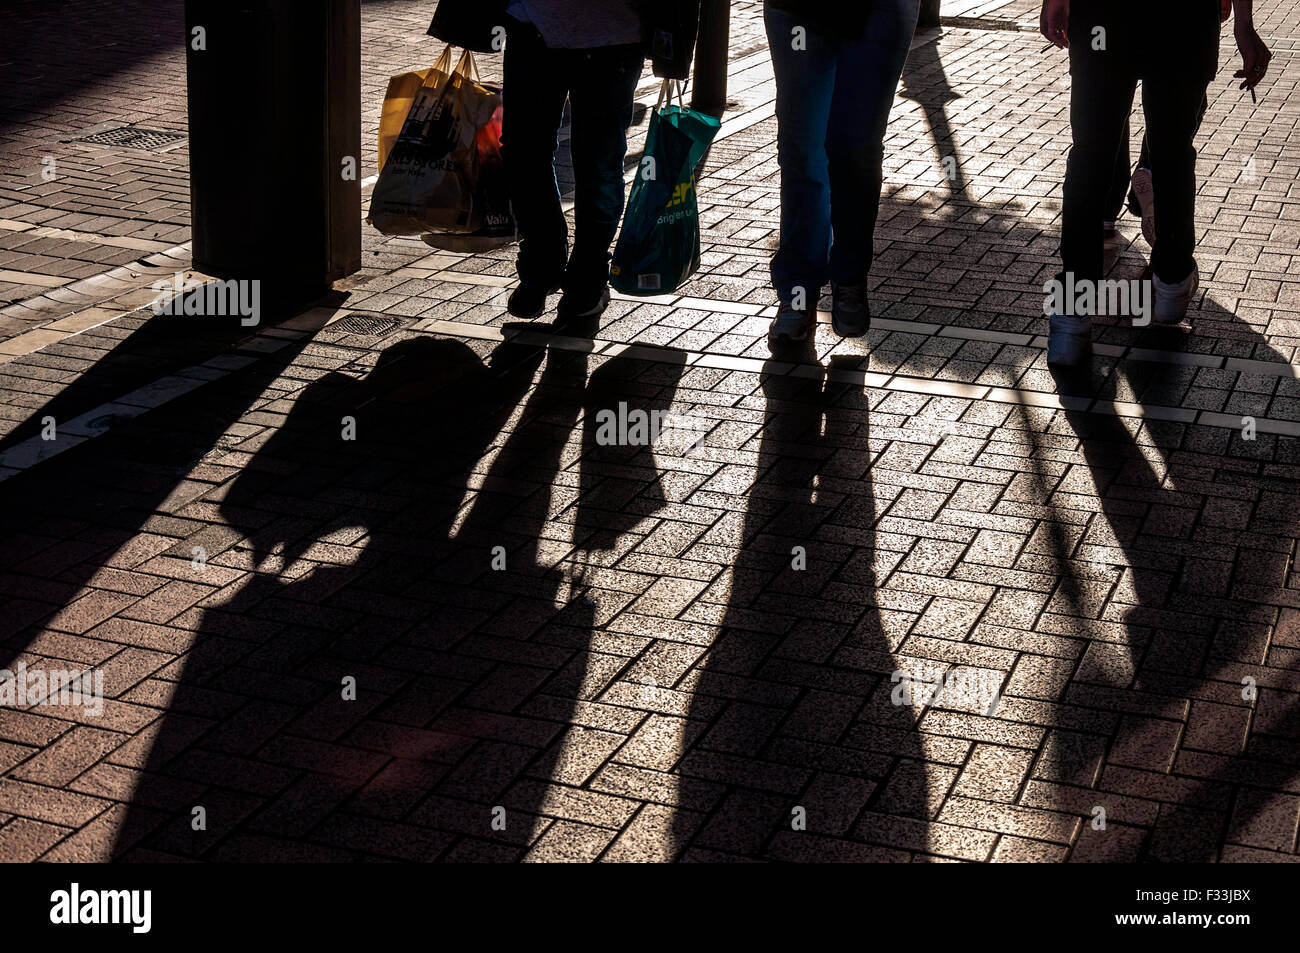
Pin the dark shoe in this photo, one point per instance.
(1069, 341)
(791, 324)
(850, 310)
(583, 304)
(528, 301)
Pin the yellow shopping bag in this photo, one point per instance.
(402, 90)
(442, 175)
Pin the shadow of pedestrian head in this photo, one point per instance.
(351, 432)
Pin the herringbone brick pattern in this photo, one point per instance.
(396, 595)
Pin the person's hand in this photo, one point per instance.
(1054, 22)
(1255, 55)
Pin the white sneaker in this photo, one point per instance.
(1172, 301)
(1069, 342)
(1146, 197)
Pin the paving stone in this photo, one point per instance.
(652, 678)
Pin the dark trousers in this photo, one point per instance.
(1121, 184)
(1175, 72)
(599, 85)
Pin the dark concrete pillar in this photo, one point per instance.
(711, 49)
(275, 142)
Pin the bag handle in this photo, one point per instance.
(467, 67)
(442, 74)
(666, 94)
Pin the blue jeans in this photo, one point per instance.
(832, 109)
(599, 85)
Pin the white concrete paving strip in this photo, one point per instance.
(97, 289)
(897, 382)
(160, 392)
(92, 238)
(101, 419)
(32, 278)
(1039, 342)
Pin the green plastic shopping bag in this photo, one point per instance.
(659, 246)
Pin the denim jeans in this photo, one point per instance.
(599, 85)
(832, 108)
(1102, 86)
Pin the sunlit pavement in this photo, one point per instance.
(373, 582)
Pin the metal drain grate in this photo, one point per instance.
(134, 137)
(356, 324)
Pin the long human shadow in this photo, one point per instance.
(792, 743)
(789, 695)
(1177, 627)
(379, 466)
(609, 492)
(484, 575)
(925, 82)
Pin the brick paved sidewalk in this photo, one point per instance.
(370, 584)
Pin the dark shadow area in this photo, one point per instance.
(267, 668)
(429, 575)
(162, 345)
(66, 519)
(799, 673)
(1175, 616)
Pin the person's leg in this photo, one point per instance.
(866, 78)
(804, 63)
(1102, 85)
(534, 93)
(1144, 159)
(1173, 92)
(1120, 178)
(1193, 30)
(1171, 105)
(602, 85)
